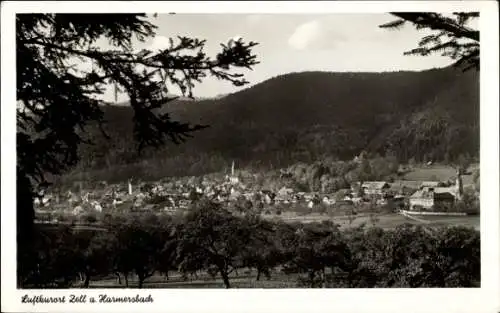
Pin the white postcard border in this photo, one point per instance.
(484, 299)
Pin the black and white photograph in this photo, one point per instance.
(177, 150)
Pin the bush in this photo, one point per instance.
(89, 218)
(157, 199)
(61, 217)
(320, 208)
(418, 208)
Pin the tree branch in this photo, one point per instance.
(431, 21)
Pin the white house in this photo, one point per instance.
(97, 206)
(285, 192)
(328, 201)
(375, 187)
(78, 210)
(431, 184)
(429, 197)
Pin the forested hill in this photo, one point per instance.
(428, 115)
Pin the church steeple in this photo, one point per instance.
(459, 185)
(233, 179)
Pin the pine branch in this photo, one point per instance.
(436, 22)
(397, 24)
(452, 28)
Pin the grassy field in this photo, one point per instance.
(468, 221)
(278, 280)
(382, 220)
(438, 173)
(386, 220)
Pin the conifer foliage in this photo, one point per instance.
(452, 37)
(56, 100)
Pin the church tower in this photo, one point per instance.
(233, 179)
(129, 186)
(459, 186)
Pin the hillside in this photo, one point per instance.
(428, 115)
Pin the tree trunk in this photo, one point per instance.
(126, 279)
(311, 278)
(25, 211)
(141, 281)
(258, 274)
(225, 278)
(323, 272)
(267, 272)
(350, 278)
(87, 281)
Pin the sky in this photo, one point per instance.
(297, 42)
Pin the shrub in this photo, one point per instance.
(89, 218)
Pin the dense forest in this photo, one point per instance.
(303, 117)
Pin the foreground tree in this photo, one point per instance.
(318, 248)
(213, 238)
(53, 123)
(415, 257)
(457, 261)
(54, 261)
(452, 37)
(137, 253)
(262, 252)
(95, 255)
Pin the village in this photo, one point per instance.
(175, 196)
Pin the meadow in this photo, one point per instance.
(439, 172)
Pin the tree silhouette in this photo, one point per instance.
(213, 238)
(56, 100)
(453, 37)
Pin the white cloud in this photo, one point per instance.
(158, 43)
(304, 35)
(254, 19)
(315, 35)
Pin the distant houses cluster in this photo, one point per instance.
(175, 196)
